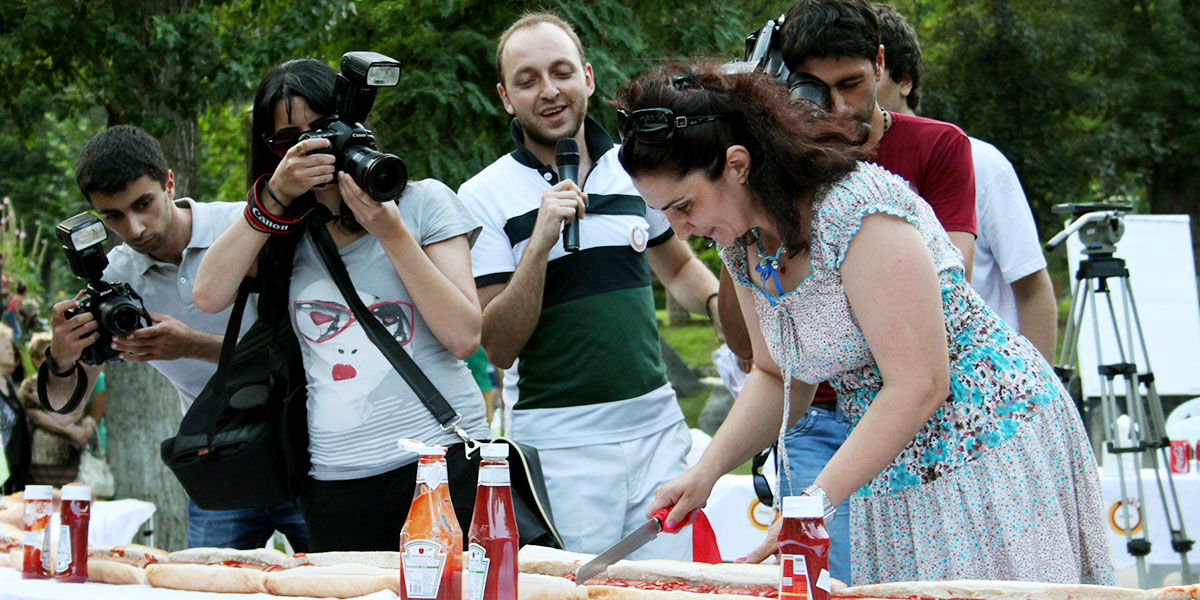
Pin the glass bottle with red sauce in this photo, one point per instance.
(492, 562)
(70, 563)
(39, 504)
(431, 540)
(804, 550)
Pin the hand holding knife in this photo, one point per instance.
(640, 537)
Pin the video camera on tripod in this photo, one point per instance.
(1100, 226)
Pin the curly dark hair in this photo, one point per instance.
(793, 149)
(829, 29)
(901, 51)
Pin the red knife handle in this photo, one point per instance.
(661, 516)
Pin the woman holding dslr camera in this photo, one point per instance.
(966, 458)
(410, 263)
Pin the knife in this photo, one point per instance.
(640, 537)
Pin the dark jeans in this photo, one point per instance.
(368, 513)
(245, 528)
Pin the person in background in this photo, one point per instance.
(12, 311)
(124, 177)
(1010, 269)
(409, 261)
(54, 447)
(576, 331)
(14, 431)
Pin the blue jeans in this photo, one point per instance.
(245, 528)
(810, 444)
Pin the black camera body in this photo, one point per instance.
(763, 52)
(112, 304)
(383, 176)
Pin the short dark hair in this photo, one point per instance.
(901, 51)
(829, 29)
(116, 156)
(530, 19)
(793, 149)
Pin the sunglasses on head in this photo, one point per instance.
(281, 141)
(762, 488)
(656, 125)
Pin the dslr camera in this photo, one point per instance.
(112, 304)
(763, 53)
(382, 176)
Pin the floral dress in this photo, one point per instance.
(1001, 482)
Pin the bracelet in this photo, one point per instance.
(707, 303)
(52, 366)
(262, 219)
(816, 491)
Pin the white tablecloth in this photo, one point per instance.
(12, 587)
(1187, 488)
(112, 523)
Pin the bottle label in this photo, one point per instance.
(491, 476)
(794, 584)
(477, 571)
(62, 562)
(47, 557)
(422, 561)
(432, 475)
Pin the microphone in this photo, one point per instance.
(566, 159)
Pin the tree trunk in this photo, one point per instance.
(1173, 191)
(179, 148)
(142, 411)
(676, 313)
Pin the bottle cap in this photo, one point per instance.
(39, 492)
(494, 450)
(802, 507)
(432, 450)
(77, 492)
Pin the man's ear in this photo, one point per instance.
(879, 65)
(169, 186)
(737, 162)
(508, 107)
(589, 79)
(905, 85)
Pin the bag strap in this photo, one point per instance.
(416, 379)
(219, 401)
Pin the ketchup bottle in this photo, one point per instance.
(38, 506)
(70, 564)
(492, 566)
(804, 550)
(431, 540)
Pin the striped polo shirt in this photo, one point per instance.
(592, 372)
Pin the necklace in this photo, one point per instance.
(769, 267)
(887, 119)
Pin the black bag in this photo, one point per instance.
(244, 441)
(535, 523)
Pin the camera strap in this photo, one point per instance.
(81, 385)
(264, 220)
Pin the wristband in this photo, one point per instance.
(815, 491)
(707, 303)
(264, 220)
(52, 366)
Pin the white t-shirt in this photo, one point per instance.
(358, 405)
(166, 288)
(1007, 248)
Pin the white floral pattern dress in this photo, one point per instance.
(1001, 482)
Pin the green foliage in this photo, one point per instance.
(23, 246)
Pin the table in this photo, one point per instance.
(1187, 488)
(12, 587)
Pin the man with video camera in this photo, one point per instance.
(125, 178)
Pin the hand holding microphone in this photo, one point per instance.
(566, 159)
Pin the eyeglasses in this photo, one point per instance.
(762, 488)
(322, 321)
(656, 125)
(281, 141)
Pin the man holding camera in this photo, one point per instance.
(587, 382)
(124, 176)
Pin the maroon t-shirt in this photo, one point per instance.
(935, 158)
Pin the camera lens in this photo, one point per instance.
(119, 316)
(382, 176)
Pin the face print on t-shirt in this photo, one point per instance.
(344, 366)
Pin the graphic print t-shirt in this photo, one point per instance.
(358, 406)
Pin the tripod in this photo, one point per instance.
(1100, 227)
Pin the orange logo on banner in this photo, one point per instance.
(1117, 519)
(760, 515)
